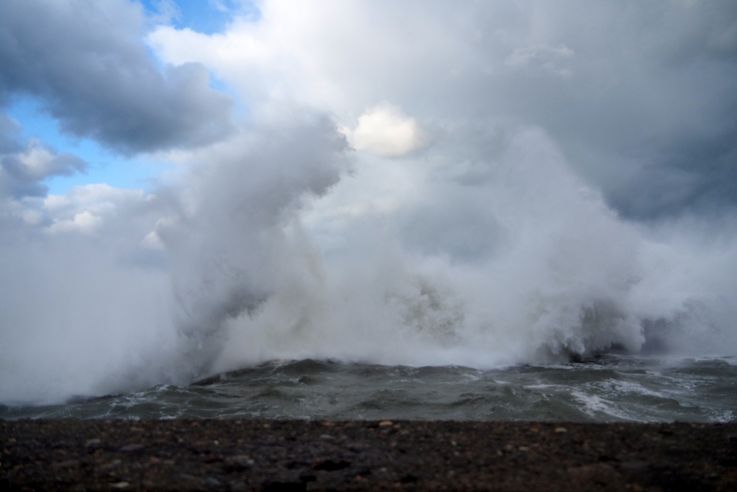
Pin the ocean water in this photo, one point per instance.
(607, 388)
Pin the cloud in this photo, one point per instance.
(25, 166)
(553, 59)
(9, 134)
(166, 11)
(81, 222)
(87, 208)
(386, 131)
(623, 90)
(87, 63)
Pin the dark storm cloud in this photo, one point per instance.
(18, 180)
(87, 62)
(24, 166)
(697, 174)
(9, 133)
(649, 112)
(641, 96)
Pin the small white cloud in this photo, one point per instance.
(386, 131)
(152, 241)
(89, 207)
(84, 222)
(167, 11)
(97, 197)
(39, 162)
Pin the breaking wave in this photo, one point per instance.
(505, 257)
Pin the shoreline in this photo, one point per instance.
(365, 455)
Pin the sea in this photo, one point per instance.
(607, 388)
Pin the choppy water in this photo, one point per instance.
(610, 388)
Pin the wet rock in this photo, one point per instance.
(307, 477)
(212, 482)
(238, 463)
(132, 448)
(408, 478)
(330, 465)
(277, 486)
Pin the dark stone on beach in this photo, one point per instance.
(294, 455)
(132, 448)
(331, 465)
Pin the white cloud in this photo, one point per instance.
(84, 222)
(24, 169)
(100, 198)
(38, 161)
(385, 131)
(88, 208)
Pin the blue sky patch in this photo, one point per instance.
(205, 16)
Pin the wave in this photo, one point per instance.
(269, 253)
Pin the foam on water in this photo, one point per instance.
(331, 390)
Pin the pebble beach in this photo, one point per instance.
(365, 455)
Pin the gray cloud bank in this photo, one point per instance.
(87, 63)
(640, 96)
(24, 167)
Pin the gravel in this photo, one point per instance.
(366, 455)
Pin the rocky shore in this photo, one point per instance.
(301, 455)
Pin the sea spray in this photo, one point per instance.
(562, 276)
(515, 261)
(227, 245)
(142, 299)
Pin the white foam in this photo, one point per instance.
(595, 406)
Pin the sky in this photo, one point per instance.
(227, 174)
(643, 113)
(104, 164)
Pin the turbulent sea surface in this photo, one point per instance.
(610, 388)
